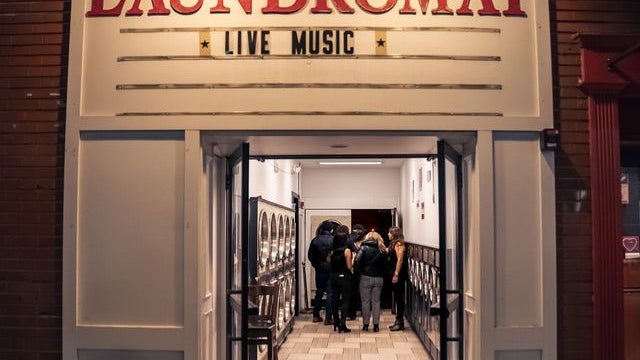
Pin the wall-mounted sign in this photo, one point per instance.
(631, 244)
(624, 187)
(205, 59)
(99, 8)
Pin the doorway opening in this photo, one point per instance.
(414, 177)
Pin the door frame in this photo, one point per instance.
(239, 156)
(447, 152)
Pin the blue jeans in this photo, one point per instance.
(323, 284)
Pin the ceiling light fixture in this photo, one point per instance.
(350, 162)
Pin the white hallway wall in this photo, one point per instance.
(350, 188)
(274, 180)
(420, 197)
(380, 188)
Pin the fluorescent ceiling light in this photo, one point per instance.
(350, 162)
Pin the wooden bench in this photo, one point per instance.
(262, 327)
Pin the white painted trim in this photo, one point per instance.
(309, 122)
(545, 85)
(471, 258)
(70, 203)
(129, 339)
(486, 223)
(220, 257)
(548, 231)
(192, 197)
(69, 247)
(523, 338)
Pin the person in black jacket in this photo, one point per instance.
(318, 255)
(355, 241)
(371, 261)
(341, 264)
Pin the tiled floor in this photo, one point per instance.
(316, 341)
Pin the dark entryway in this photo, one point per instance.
(630, 179)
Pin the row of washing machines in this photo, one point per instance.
(423, 292)
(276, 237)
(275, 246)
(424, 272)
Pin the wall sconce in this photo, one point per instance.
(549, 139)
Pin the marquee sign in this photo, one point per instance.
(159, 7)
(465, 59)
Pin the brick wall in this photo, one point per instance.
(33, 61)
(575, 309)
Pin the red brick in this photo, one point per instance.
(36, 6)
(31, 149)
(32, 60)
(600, 6)
(32, 18)
(31, 50)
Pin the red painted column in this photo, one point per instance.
(606, 227)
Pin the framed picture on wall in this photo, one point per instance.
(420, 179)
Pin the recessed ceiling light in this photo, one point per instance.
(350, 162)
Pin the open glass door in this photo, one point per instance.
(237, 252)
(450, 225)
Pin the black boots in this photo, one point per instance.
(397, 326)
(341, 326)
(316, 317)
(376, 327)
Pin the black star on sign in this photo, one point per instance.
(380, 42)
(205, 44)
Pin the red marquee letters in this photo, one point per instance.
(158, 7)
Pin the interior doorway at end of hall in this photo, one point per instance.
(378, 220)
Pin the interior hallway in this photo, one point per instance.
(316, 341)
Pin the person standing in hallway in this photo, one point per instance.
(355, 241)
(397, 274)
(341, 265)
(318, 255)
(371, 261)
